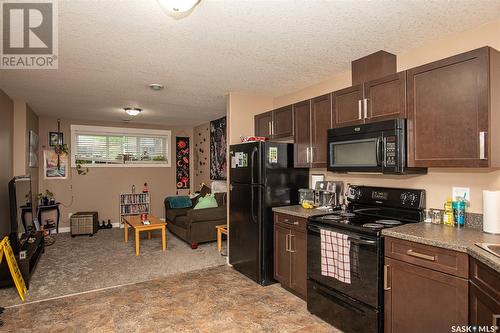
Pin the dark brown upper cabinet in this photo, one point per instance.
(275, 124)
(302, 142)
(321, 121)
(454, 111)
(312, 120)
(263, 123)
(282, 125)
(376, 100)
(385, 98)
(347, 106)
(373, 66)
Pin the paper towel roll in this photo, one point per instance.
(491, 212)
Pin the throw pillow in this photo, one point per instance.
(179, 202)
(207, 201)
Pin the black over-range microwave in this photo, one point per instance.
(379, 147)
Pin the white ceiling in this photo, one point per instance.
(110, 50)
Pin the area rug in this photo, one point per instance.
(80, 264)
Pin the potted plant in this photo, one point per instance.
(50, 197)
(80, 169)
(61, 149)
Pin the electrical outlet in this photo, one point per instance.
(69, 215)
(461, 192)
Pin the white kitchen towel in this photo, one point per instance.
(335, 260)
(491, 212)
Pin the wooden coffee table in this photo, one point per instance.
(135, 222)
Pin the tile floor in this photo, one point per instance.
(217, 299)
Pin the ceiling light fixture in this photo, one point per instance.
(132, 111)
(156, 86)
(178, 6)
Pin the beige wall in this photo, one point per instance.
(25, 120)
(201, 155)
(241, 109)
(31, 125)
(20, 143)
(438, 182)
(6, 162)
(99, 190)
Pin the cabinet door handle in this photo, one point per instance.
(312, 155)
(386, 272)
(360, 116)
(307, 155)
(286, 243)
(365, 107)
(272, 127)
(290, 243)
(482, 145)
(269, 128)
(420, 255)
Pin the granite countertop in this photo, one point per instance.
(297, 210)
(462, 240)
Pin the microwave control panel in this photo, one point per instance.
(391, 151)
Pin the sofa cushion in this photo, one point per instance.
(207, 201)
(173, 214)
(221, 199)
(209, 214)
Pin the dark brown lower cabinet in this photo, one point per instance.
(418, 299)
(290, 253)
(484, 295)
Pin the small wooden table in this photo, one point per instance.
(135, 222)
(221, 229)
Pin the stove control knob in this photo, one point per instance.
(412, 197)
(404, 198)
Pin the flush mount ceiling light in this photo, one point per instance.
(132, 111)
(156, 86)
(178, 6)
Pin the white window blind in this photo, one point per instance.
(101, 146)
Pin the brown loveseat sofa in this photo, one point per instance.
(196, 225)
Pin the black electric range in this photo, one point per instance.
(357, 305)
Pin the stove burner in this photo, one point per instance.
(373, 225)
(388, 222)
(346, 214)
(332, 217)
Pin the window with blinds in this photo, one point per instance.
(95, 146)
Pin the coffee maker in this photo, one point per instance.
(327, 194)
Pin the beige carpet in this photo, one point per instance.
(217, 299)
(74, 265)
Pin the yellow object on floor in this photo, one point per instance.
(221, 229)
(14, 269)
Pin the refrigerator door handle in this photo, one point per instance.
(252, 164)
(255, 217)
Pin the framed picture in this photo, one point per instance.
(55, 138)
(54, 166)
(33, 151)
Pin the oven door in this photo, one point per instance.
(365, 261)
(363, 153)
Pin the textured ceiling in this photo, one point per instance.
(110, 50)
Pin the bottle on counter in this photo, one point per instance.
(459, 212)
(448, 213)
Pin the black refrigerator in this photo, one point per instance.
(262, 176)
